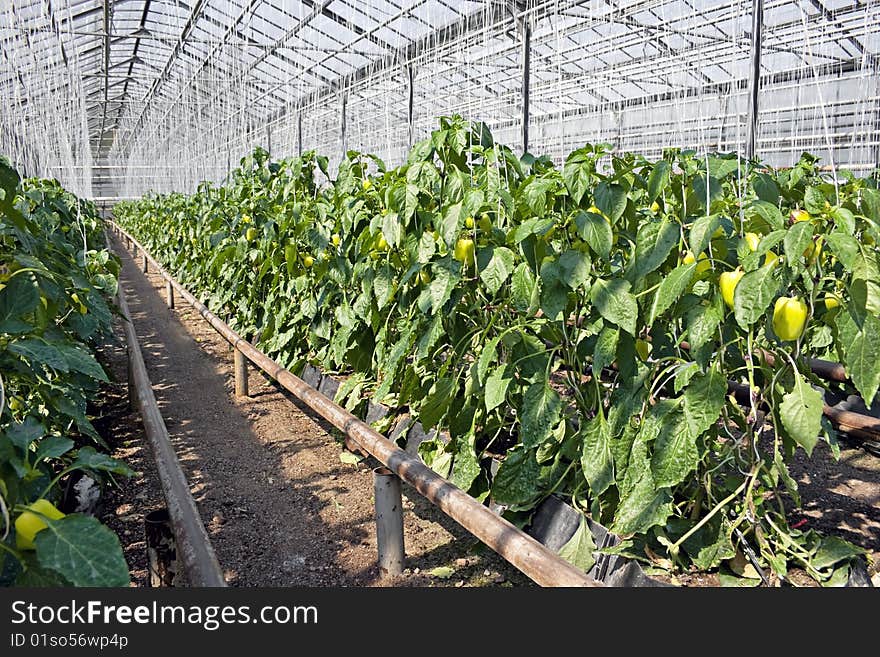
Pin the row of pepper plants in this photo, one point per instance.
(578, 324)
(56, 282)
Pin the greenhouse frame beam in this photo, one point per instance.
(830, 17)
(469, 23)
(268, 51)
(134, 51)
(106, 19)
(195, 12)
(754, 77)
(850, 66)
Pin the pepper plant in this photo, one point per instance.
(585, 328)
(56, 279)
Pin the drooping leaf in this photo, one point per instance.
(580, 548)
(753, 295)
(516, 484)
(83, 550)
(596, 459)
(499, 267)
(540, 412)
(801, 413)
(595, 231)
(671, 288)
(616, 303)
(497, 385)
(654, 241)
(862, 359)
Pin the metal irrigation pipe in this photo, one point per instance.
(535, 560)
(192, 542)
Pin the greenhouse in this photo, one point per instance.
(591, 284)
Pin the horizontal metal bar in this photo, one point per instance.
(535, 560)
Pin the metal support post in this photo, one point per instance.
(754, 76)
(526, 55)
(389, 521)
(241, 374)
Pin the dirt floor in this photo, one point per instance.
(282, 509)
(280, 506)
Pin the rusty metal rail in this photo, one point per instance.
(193, 546)
(533, 559)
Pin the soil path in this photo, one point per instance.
(279, 505)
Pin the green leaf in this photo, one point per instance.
(427, 247)
(488, 355)
(87, 458)
(645, 506)
(770, 214)
(441, 287)
(797, 239)
(392, 230)
(846, 248)
(36, 351)
(675, 451)
(615, 303)
(429, 338)
(671, 288)
(801, 414)
(522, 287)
(466, 466)
(654, 241)
(554, 293)
(410, 202)
(596, 459)
(540, 412)
(516, 482)
(9, 180)
(658, 180)
(383, 287)
(721, 167)
(79, 360)
(496, 272)
(19, 298)
(702, 321)
(701, 232)
(574, 268)
(766, 189)
(703, 400)
(22, 434)
(754, 294)
(595, 231)
(83, 550)
(606, 349)
(705, 189)
(611, 200)
(862, 359)
(832, 550)
(535, 196)
(576, 175)
(52, 447)
(497, 385)
(814, 200)
(437, 402)
(579, 549)
(449, 225)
